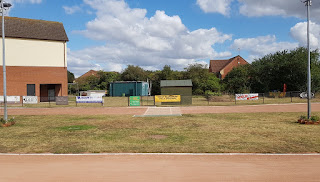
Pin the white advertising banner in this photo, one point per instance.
(30, 99)
(11, 99)
(89, 99)
(247, 96)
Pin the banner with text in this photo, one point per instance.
(30, 99)
(247, 96)
(11, 99)
(167, 98)
(134, 100)
(88, 99)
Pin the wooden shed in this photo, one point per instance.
(178, 87)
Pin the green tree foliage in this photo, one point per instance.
(70, 77)
(105, 78)
(202, 80)
(101, 81)
(286, 67)
(237, 80)
(134, 73)
(272, 71)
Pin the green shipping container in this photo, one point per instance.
(129, 88)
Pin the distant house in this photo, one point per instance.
(222, 67)
(86, 75)
(36, 58)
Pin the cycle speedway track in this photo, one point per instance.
(165, 111)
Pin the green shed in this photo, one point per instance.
(129, 88)
(178, 87)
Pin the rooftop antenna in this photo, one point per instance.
(239, 51)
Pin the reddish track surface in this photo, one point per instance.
(173, 168)
(159, 168)
(142, 110)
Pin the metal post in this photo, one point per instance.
(5, 115)
(308, 4)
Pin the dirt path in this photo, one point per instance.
(160, 168)
(142, 110)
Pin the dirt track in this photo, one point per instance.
(142, 110)
(156, 168)
(173, 168)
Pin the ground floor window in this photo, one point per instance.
(31, 90)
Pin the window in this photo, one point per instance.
(31, 90)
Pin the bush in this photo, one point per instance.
(314, 118)
(209, 93)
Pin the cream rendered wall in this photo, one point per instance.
(29, 52)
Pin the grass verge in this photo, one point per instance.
(205, 133)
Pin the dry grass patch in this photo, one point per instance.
(205, 133)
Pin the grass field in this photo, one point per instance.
(205, 133)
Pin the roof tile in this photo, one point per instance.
(34, 29)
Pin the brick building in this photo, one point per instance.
(36, 63)
(222, 67)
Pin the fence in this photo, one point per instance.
(200, 100)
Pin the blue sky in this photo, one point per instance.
(110, 34)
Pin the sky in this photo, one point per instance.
(111, 34)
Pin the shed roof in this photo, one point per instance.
(176, 83)
(34, 29)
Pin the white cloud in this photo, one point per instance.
(299, 32)
(215, 6)
(72, 9)
(275, 7)
(132, 38)
(25, 1)
(261, 46)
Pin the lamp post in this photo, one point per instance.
(5, 114)
(308, 4)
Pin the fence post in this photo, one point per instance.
(154, 100)
(263, 97)
(235, 99)
(291, 96)
(128, 100)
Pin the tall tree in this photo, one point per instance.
(202, 80)
(237, 80)
(70, 77)
(134, 73)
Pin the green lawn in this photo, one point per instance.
(205, 133)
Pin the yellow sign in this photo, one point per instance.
(168, 98)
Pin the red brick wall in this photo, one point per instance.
(18, 77)
(236, 62)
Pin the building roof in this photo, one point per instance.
(34, 29)
(218, 65)
(175, 83)
(86, 75)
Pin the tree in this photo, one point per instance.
(134, 73)
(237, 80)
(70, 77)
(202, 80)
(286, 67)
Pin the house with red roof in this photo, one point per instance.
(222, 67)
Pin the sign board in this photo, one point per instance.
(134, 101)
(88, 99)
(62, 100)
(304, 95)
(11, 99)
(30, 99)
(167, 98)
(247, 96)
